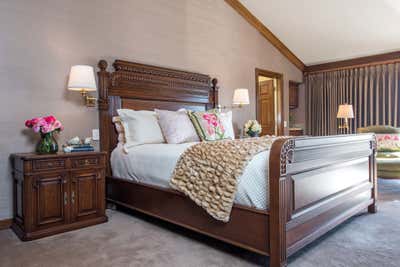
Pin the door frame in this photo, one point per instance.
(279, 120)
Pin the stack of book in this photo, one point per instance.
(82, 148)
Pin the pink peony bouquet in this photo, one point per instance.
(44, 125)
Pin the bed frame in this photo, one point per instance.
(316, 183)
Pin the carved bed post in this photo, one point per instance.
(103, 105)
(280, 211)
(214, 93)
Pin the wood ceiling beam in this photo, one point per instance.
(246, 14)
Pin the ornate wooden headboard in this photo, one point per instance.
(144, 87)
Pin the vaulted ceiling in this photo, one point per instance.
(319, 31)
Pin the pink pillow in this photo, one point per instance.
(176, 126)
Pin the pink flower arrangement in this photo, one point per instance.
(44, 125)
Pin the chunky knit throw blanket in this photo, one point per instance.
(208, 172)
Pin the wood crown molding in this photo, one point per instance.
(246, 14)
(354, 63)
(5, 224)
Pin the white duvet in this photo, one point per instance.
(154, 164)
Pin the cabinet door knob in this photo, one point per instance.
(73, 197)
(65, 198)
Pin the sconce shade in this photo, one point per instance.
(345, 111)
(81, 78)
(241, 97)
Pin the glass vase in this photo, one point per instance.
(47, 144)
(252, 134)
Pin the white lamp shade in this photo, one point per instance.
(345, 111)
(241, 97)
(81, 77)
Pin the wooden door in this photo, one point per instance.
(87, 194)
(50, 200)
(266, 106)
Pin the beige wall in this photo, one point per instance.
(40, 40)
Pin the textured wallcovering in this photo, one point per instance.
(40, 40)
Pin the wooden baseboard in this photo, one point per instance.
(5, 224)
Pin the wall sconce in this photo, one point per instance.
(240, 98)
(81, 78)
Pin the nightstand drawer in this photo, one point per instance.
(48, 164)
(85, 162)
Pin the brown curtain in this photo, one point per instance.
(373, 91)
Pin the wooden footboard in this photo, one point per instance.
(320, 182)
(315, 184)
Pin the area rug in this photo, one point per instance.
(137, 240)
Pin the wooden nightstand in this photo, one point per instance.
(57, 193)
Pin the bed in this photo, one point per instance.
(144, 166)
(315, 183)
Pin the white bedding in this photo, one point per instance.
(154, 163)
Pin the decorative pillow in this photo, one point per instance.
(140, 127)
(208, 125)
(176, 126)
(226, 119)
(388, 142)
(120, 129)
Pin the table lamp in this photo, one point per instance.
(345, 112)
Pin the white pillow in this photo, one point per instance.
(176, 126)
(140, 127)
(226, 120)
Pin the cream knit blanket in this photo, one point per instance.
(208, 172)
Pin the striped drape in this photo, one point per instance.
(373, 91)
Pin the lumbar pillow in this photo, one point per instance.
(208, 125)
(140, 127)
(226, 119)
(388, 142)
(176, 126)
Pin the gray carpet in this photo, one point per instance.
(126, 240)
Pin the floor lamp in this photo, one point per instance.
(345, 112)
